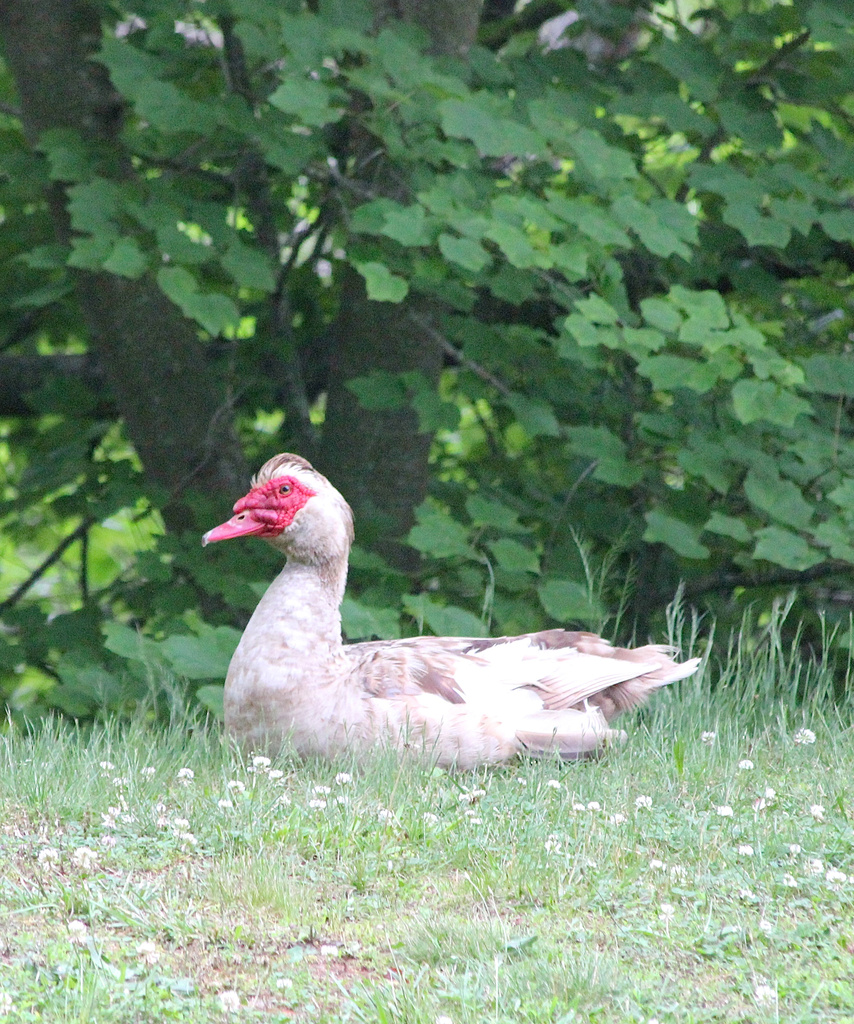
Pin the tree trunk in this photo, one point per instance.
(175, 415)
(380, 459)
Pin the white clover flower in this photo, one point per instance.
(618, 819)
(745, 850)
(522, 782)
(746, 894)
(790, 881)
(473, 819)
(746, 765)
(764, 994)
(817, 811)
(261, 763)
(284, 983)
(343, 778)
(657, 865)
(553, 784)
(148, 953)
(187, 837)
(275, 774)
(834, 875)
(317, 805)
(107, 766)
(321, 790)
(284, 800)
(224, 805)
(643, 801)
(770, 794)
(553, 844)
(85, 858)
(594, 805)
(724, 811)
(78, 932)
(147, 770)
(186, 775)
(229, 1001)
(430, 819)
(472, 797)
(708, 738)
(108, 842)
(804, 737)
(578, 807)
(236, 786)
(667, 912)
(181, 823)
(765, 926)
(129, 819)
(677, 871)
(384, 814)
(814, 866)
(443, 1018)
(794, 849)
(7, 1004)
(48, 857)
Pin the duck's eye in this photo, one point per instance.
(285, 489)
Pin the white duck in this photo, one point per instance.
(462, 701)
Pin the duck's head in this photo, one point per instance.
(293, 507)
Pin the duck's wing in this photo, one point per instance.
(550, 671)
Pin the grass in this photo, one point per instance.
(610, 891)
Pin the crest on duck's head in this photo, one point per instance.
(282, 465)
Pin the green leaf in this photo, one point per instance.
(568, 601)
(780, 498)
(249, 267)
(675, 533)
(485, 512)
(309, 101)
(602, 161)
(612, 466)
(487, 121)
(652, 231)
(782, 547)
(467, 253)
(130, 644)
(535, 416)
(381, 284)
(763, 400)
(667, 373)
(830, 375)
(214, 312)
(438, 535)
(211, 697)
(379, 390)
(205, 656)
(661, 313)
(443, 620)
(126, 259)
(728, 526)
(361, 621)
(513, 556)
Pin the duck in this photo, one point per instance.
(294, 684)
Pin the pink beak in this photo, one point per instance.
(241, 525)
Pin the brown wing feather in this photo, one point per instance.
(425, 664)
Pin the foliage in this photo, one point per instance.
(166, 870)
(636, 256)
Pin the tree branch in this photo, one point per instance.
(726, 580)
(55, 555)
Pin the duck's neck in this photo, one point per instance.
(300, 613)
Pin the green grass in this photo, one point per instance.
(538, 892)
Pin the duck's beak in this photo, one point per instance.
(241, 525)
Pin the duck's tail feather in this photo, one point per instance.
(570, 733)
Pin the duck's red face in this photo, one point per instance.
(265, 511)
